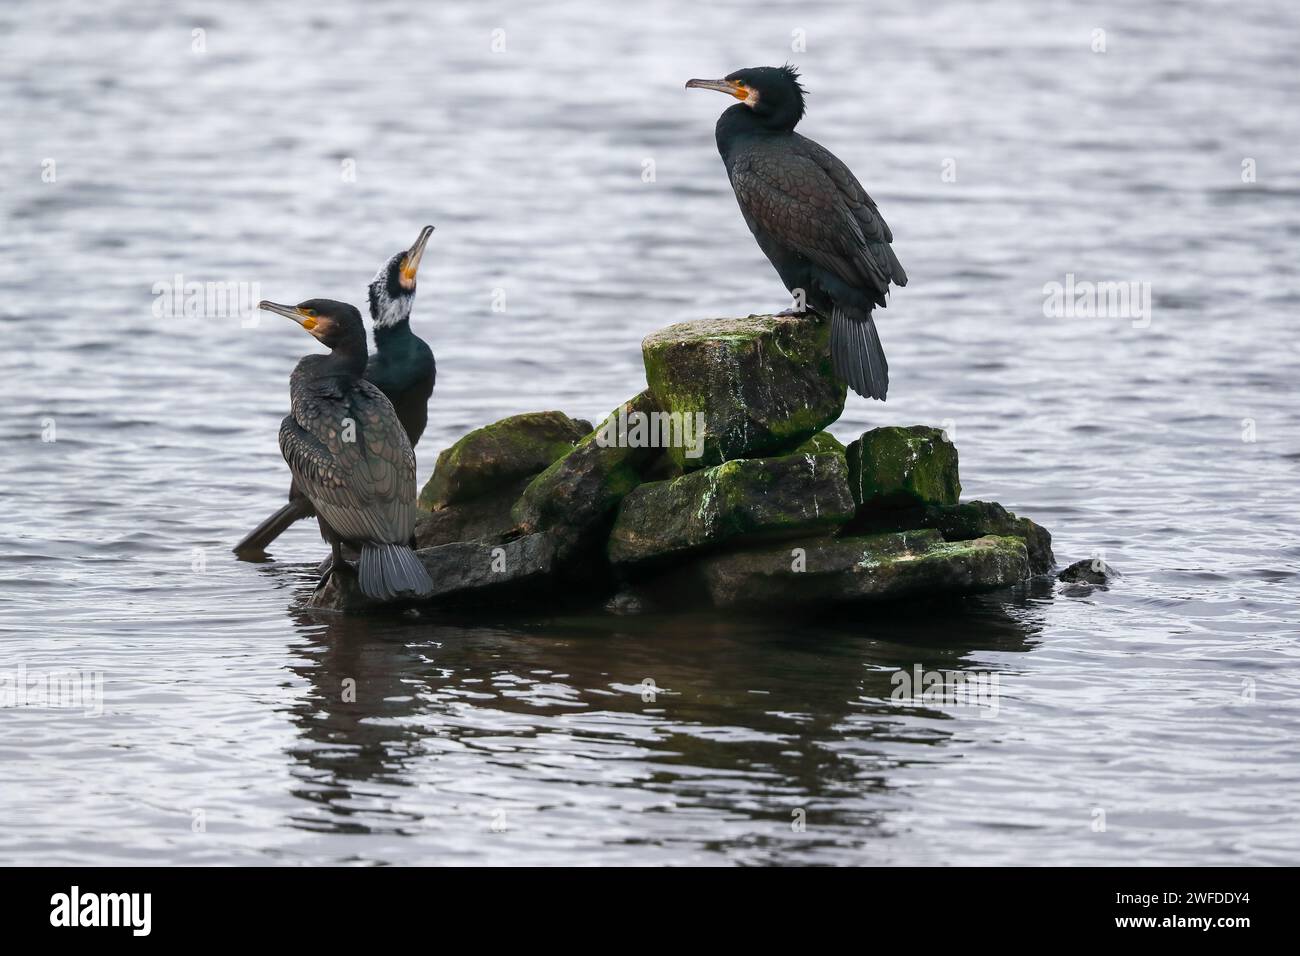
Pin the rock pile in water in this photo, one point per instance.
(718, 485)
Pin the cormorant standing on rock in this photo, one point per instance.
(811, 217)
(402, 366)
(350, 456)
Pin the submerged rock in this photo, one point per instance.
(577, 495)
(1092, 571)
(500, 454)
(870, 568)
(745, 499)
(763, 385)
(464, 573)
(897, 467)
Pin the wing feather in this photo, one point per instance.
(363, 488)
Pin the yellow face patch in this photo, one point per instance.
(740, 91)
(308, 323)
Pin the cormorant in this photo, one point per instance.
(811, 217)
(402, 366)
(349, 454)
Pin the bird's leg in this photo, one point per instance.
(331, 564)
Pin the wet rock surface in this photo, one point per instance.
(499, 454)
(735, 501)
(1093, 571)
(900, 467)
(870, 568)
(764, 384)
(464, 574)
(576, 497)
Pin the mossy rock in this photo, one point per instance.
(907, 564)
(764, 384)
(896, 467)
(974, 519)
(821, 443)
(748, 499)
(578, 494)
(485, 518)
(499, 454)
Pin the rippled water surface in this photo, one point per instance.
(1164, 707)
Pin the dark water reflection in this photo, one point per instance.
(749, 723)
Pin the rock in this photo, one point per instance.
(897, 467)
(464, 573)
(821, 443)
(485, 518)
(974, 519)
(744, 499)
(763, 384)
(627, 602)
(870, 568)
(1093, 571)
(500, 454)
(576, 497)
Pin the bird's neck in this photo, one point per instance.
(740, 122)
(348, 358)
(394, 336)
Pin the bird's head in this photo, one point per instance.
(392, 291)
(332, 323)
(772, 92)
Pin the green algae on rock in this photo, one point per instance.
(499, 454)
(895, 467)
(577, 494)
(821, 443)
(870, 568)
(737, 500)
(974, 519)
(764, 383)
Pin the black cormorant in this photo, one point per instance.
(349, 454)
(402, 366)
(811, 217)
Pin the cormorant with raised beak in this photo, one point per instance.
(811, 217)
(402, 366)
(350, 456)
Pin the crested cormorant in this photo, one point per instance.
(402, 366)
(811, 217)
(349, 454)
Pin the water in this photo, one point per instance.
(1166, 703)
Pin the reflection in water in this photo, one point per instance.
(749, 721)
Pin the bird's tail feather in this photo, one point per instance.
(857, 354)
(256, 541)
(389, 571)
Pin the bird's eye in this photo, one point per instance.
(310, 313)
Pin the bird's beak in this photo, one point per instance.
(730, 87)
(412, 264)
(289, 311)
